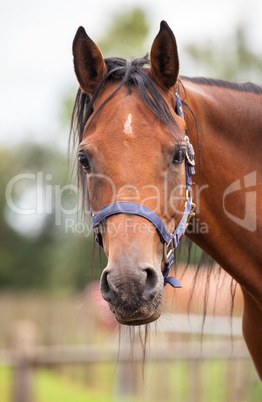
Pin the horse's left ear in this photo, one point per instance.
(89, 64)
(164, 58)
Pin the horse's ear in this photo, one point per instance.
(164, 57)
(89, 64)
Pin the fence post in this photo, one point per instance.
(23, 338)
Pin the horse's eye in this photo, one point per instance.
(84, 162)
(179, 156)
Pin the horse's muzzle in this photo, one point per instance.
(134, 295)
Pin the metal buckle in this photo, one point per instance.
(192, 209)
(189, 151)
(167, 253)
(190, 215)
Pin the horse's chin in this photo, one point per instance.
(138, 321)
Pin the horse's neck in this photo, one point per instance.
(228, 147)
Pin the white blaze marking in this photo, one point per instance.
(127, 126)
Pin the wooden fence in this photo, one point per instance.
(25, 356)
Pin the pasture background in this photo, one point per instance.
(45, 256)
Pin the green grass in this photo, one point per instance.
(5, 384)
(51, 387)
(205, 381)
(212, 381)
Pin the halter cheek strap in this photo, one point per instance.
(169, 240)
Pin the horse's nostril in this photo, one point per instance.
(104, 287)
(152, 283)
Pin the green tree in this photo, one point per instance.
(126, 36)
(231, 59)
(44, 255)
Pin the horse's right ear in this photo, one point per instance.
(89, 64)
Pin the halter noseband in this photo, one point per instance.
(169, 240)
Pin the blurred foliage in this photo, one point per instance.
(41, 255)
(231, 59)
(126, 35)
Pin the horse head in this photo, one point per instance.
(132, 149)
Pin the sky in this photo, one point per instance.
(36, 68)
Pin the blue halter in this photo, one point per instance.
(170, 240)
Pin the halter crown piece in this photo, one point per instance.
(169, 240)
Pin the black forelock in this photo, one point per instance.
(129, 73)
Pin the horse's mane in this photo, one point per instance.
(132, 73)
(248, 87)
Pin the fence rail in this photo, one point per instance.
(193, 324)
(26, 356)
(71, 354)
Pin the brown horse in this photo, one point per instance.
(132, 149)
